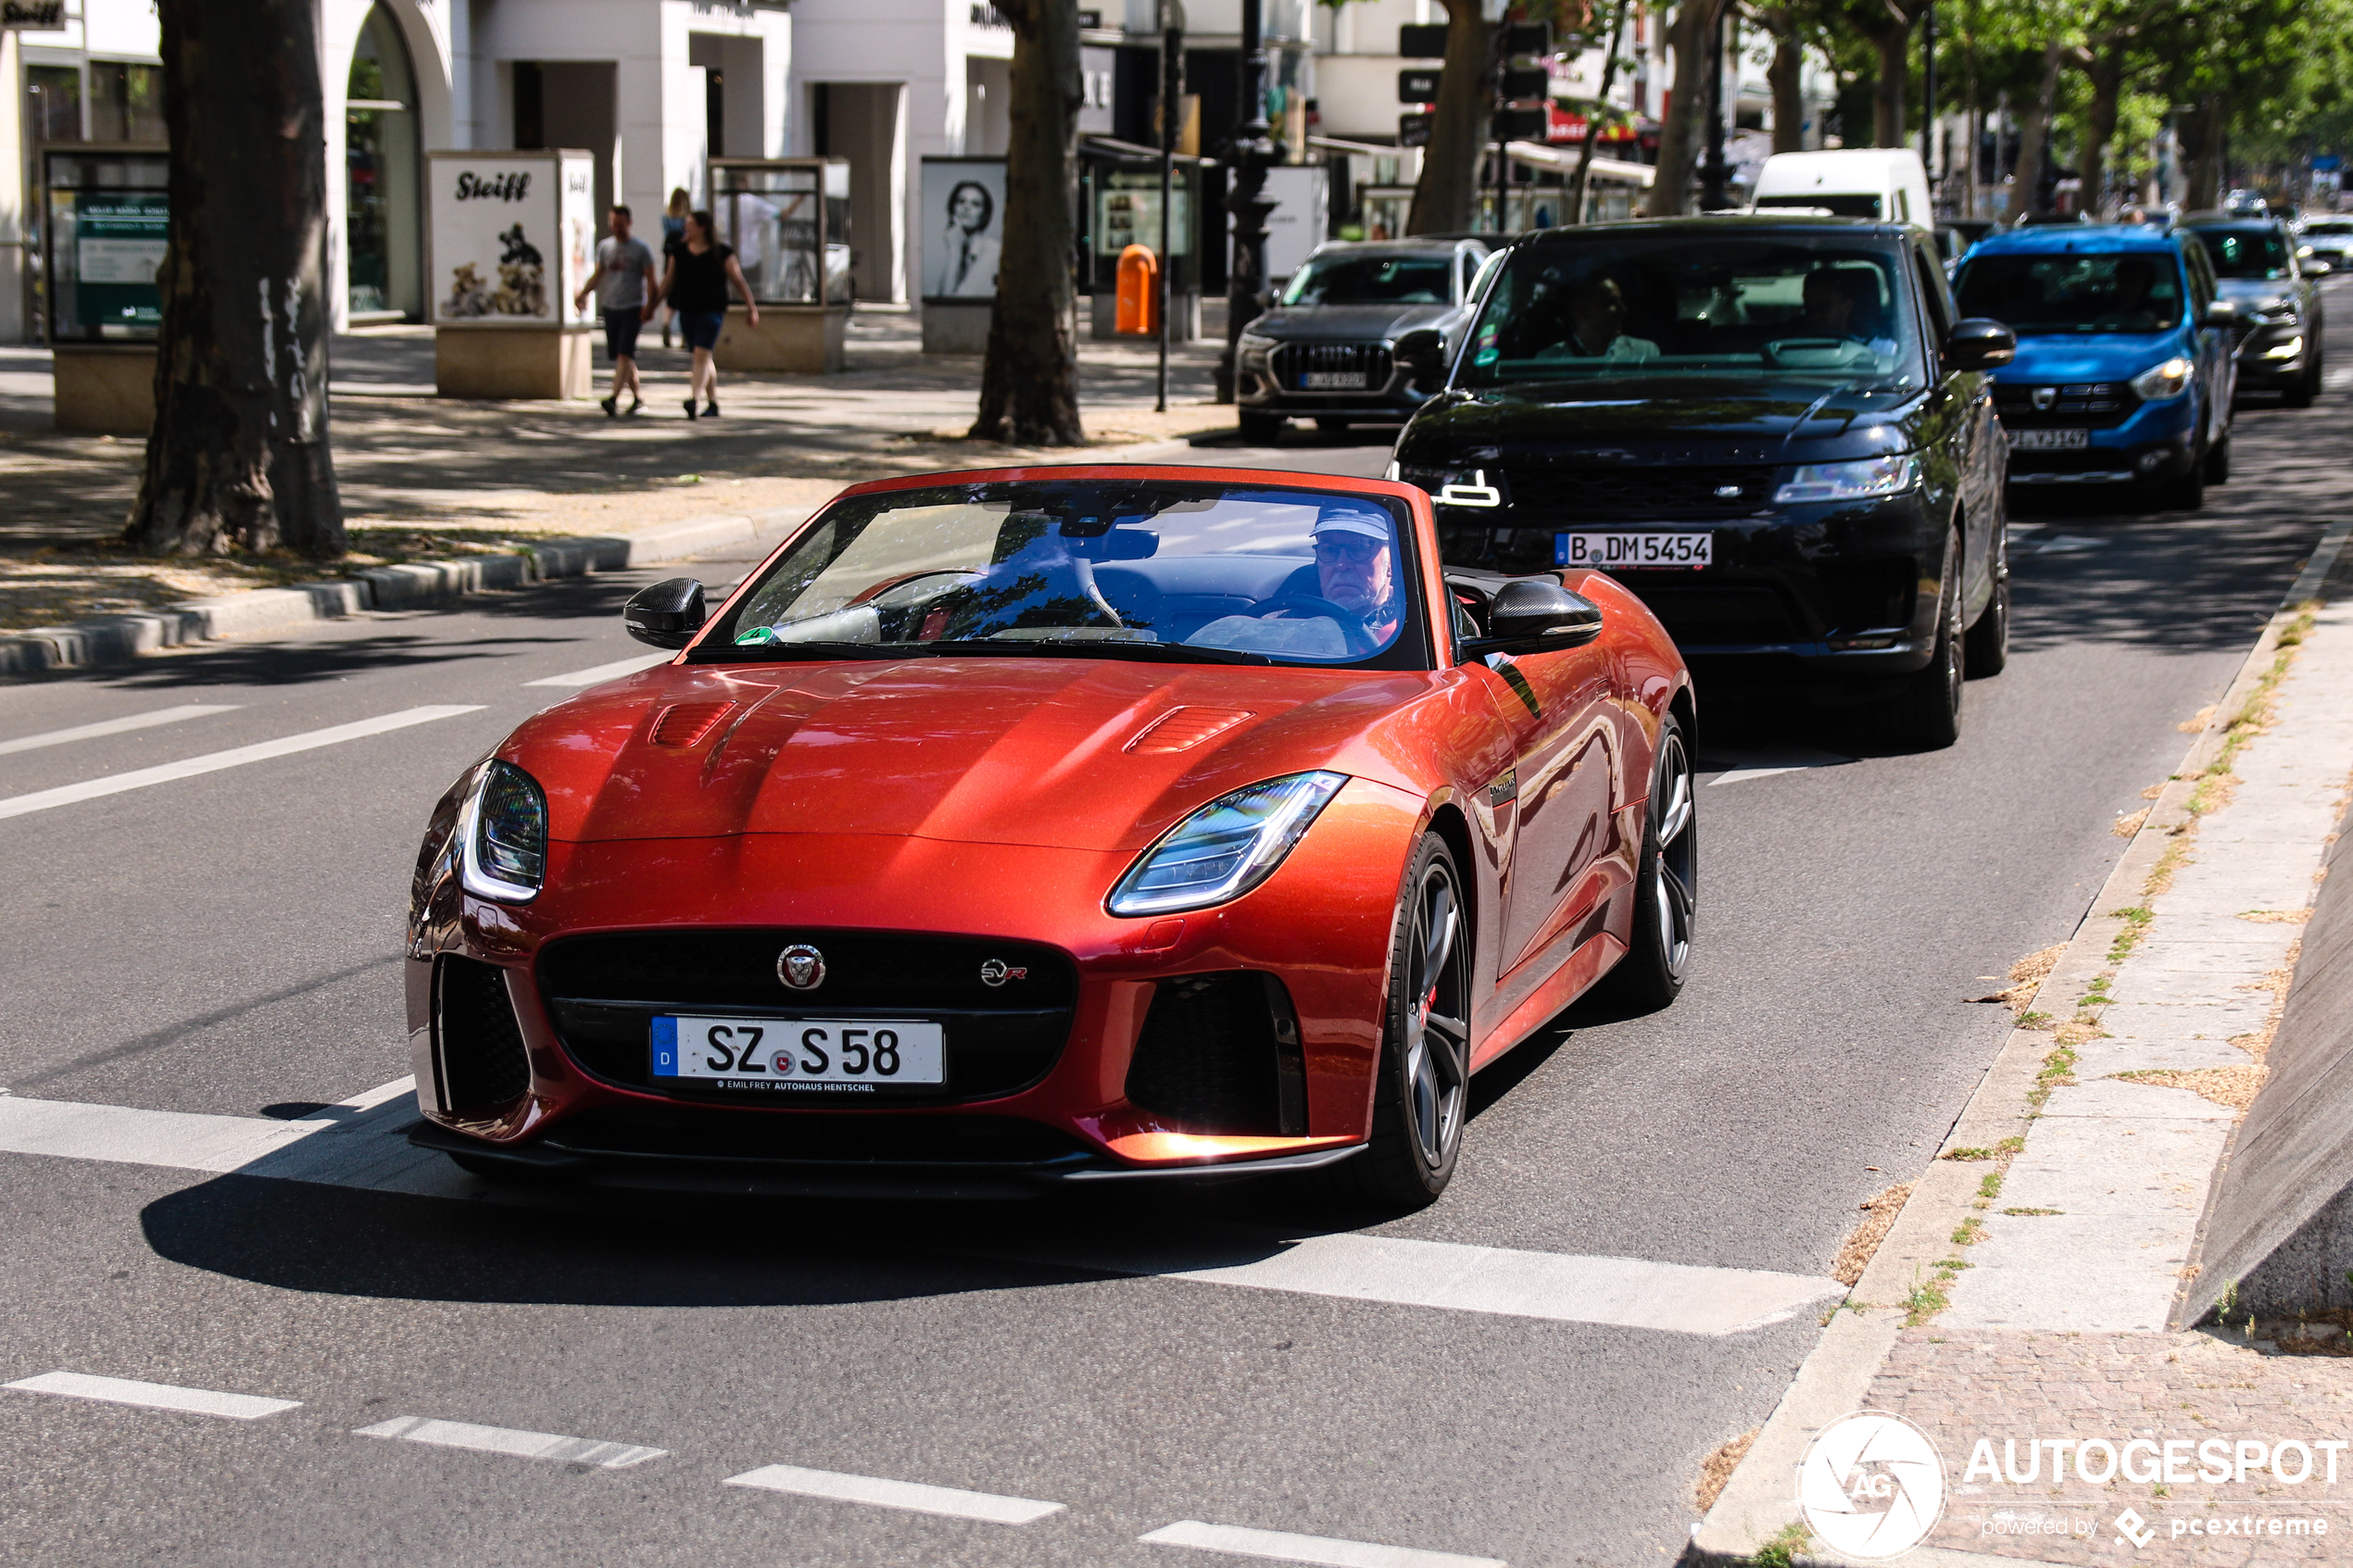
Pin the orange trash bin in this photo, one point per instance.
(1139, 295)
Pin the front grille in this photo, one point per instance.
(1294, 361)
(477, 1044)
(1220, 1053)
(1722, 615)
(1638, 494)
(709, 1133)
(2081, 405)
(604, 991)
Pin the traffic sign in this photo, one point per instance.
(1418, 86)
(1526, 82)
(1422, 41)
(1412, 129)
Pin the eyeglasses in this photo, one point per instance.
(1353, 548)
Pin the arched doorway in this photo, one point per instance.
(382, 192)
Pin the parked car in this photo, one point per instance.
(1325, 351)
(2326, 239)
(1774, 430)
(1038, 827)
(1878, 184)
(2277, 297)
(2125, 365)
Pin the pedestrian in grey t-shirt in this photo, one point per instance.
(626, 286)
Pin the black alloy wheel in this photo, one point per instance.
(1665, 885)
(1929, 713)
(1423, 1094)
(1987, 650)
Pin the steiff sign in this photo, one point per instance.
(33, 16)
(513, 237)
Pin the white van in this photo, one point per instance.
(1881, 184)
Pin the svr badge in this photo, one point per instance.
(995, 973)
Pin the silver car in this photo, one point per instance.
(1323, 352)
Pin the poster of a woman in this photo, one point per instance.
(960, 255)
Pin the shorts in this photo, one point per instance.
(620, 330)
(702, 327)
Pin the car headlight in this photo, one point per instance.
(503, 836)
(1225, 848)
(1859, 480)
(2163, 382)
(1455, 487)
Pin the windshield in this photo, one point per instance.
(1192, 572)
(2040, 295)
(1697, 305)
(2245, 253)
(1358, 278)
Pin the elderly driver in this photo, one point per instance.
(1356, 567)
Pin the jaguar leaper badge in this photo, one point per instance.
(802, 967)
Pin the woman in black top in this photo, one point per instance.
(696, 287)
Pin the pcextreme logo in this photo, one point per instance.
(1872, 1485)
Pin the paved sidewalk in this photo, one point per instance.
(2031, 1290)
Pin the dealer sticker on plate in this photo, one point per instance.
(818, 1055)
(1643, 551)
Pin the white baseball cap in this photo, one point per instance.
(1368, 524)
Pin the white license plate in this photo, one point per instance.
(1648, 551)
(2049, 440)
(824, 1055)
(1334, 380)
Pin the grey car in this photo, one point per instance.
(1323, 352)
(2276, 299)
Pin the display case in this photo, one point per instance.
(787, 221)
(1119, 205)
(106, 226)
(513, 238)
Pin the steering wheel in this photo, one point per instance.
(1353, 629)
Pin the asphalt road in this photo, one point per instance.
(226, 944)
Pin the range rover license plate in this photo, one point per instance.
(818, 1055)
(1333, 381)
(2049, 440)
(1647, 552)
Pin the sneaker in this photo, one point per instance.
(690, 408)
(635, 404)
(611, 406)
(710, 409)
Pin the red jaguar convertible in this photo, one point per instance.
(1057, 824)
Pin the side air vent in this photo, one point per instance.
(685, 723)
(1220, 1053)
(477, 1045)
(1182, 729)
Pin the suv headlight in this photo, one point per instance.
(1859, 480)
(1455, 487)
(2163, 382)
(503, 836)
(1225, 848)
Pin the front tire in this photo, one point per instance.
(1929, 713)
(1988, 647)
(1422, 1097)
(1665, 885)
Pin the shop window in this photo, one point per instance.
(52, 104)
(383, 190)
(126, 102)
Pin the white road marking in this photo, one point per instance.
(2066, 544)
(504, 1440)
(154, 1396)
(1765, 761)
(907, 1495)
(212, 762)
(1284, 1547)
(117, 726)
(184, 1140)
(596, 673)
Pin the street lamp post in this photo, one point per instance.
(1172, 103)
(1246, 198)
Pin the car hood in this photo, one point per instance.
(1665, 418)
(990, 750)
(2254, 291)
(1350, 324)
(2094, 356)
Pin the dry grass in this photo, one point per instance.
(2276, 980)
(1718, 1469)
(2176, 855)
(2154, 790)
(2125, 827)
(1878, 1218)
(2026, 977)
(2276, 917)
(2233, 1086)
(2196, 721)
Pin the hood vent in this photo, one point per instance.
(1182, 729)
(685, 723)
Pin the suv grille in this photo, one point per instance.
(1294, 362)
(1639, 493)
(604, 992)
(2086, 405)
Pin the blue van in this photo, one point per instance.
(2125, 367)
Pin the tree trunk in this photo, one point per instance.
(2200, 135)
(1582, 181)
(1029, 382)
(1447, 193)
(2028, 193)
(238, 456)
(1786, 77)
(1895, 47)
(2107, 75)
(1679, 129)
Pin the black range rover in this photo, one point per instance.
(1773, 431)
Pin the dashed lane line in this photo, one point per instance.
(1283, 1547)
(506, 1440)
(910, 1497)
(1763, 763)
(146, 721)
(153, 1396)
(596, 673)
(212, 762)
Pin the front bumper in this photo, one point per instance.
(1267, 381)
(2158, 441)
(1319, 928)
(2274, 355)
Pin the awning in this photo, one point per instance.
(1562, 160)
